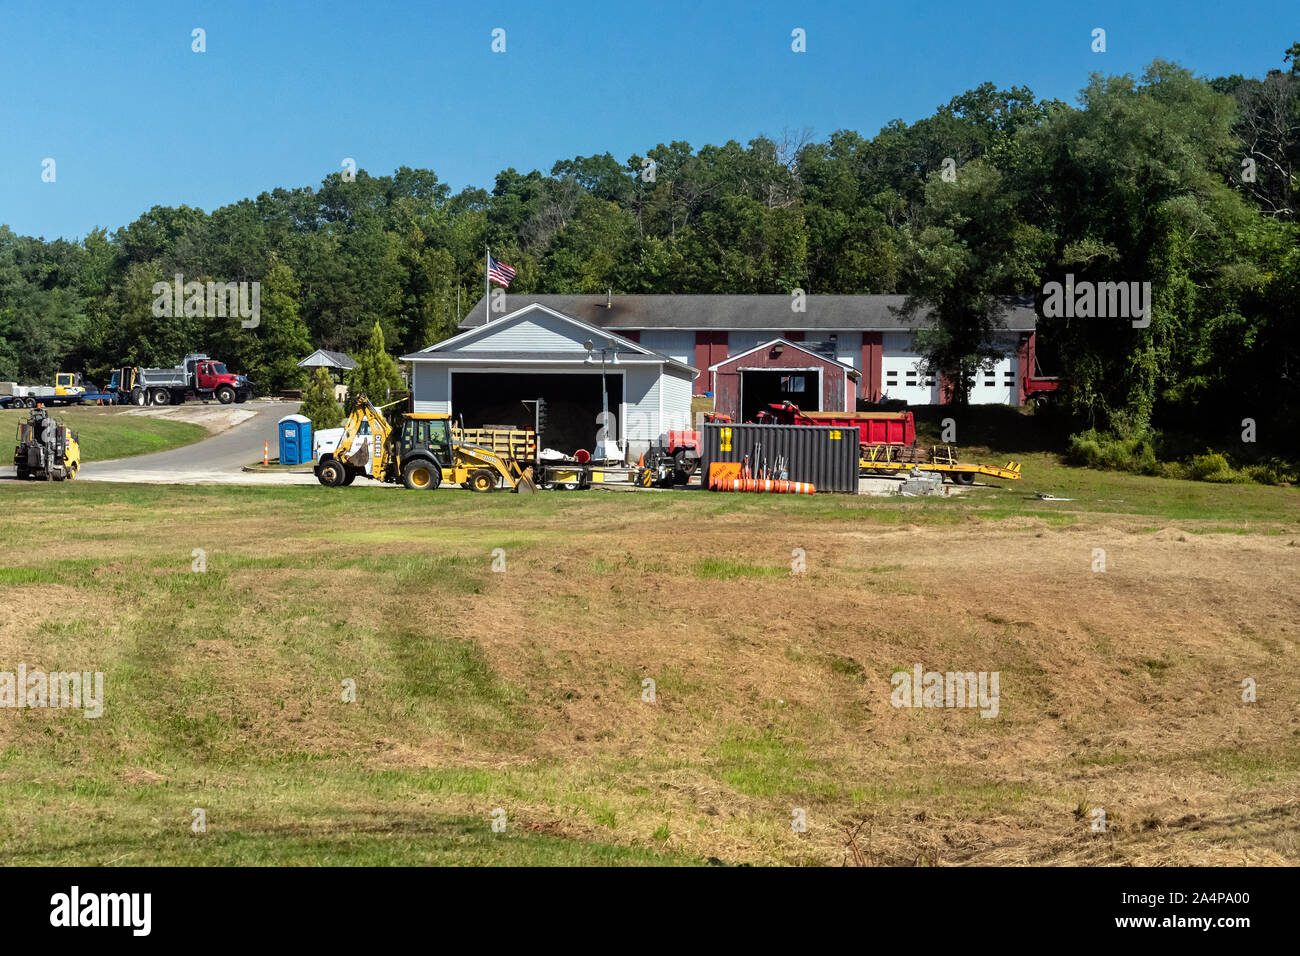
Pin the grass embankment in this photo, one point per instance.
(108, 433)
(522, 690)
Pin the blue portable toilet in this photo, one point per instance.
(295, 440)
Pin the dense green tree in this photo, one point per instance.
(318, 402)
(965, 256)
(376, 374)
(1132, 185)
(1187, 183)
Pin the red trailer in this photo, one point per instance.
(875, 428)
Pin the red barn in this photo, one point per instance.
(781, 371)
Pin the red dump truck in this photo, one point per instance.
(874, 428)
(197, 377)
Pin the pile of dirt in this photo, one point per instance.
(216, 418)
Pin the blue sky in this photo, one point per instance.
(133, 118)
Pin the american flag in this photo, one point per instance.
(499, 272)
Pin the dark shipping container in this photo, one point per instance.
(826, 457)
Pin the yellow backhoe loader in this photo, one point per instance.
(419, 452)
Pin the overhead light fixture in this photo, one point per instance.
(778, 349)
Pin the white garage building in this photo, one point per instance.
(485, 374)
(865, 332)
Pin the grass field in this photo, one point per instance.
(522, 690)
(107, 433)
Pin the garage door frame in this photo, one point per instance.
(564, 369)
(781, 369)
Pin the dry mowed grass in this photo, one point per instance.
(523, 690)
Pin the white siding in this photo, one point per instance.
(676, 389)
(430, 385)
(897, 342)
(641, 403)
(738, 342)
(534, 331)
(848, 348)
(676, 345)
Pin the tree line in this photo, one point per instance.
(1185, 182)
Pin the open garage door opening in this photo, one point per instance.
(760, 388)
(572, 403)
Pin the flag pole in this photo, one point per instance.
(487, 284)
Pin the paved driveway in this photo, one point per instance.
(217, 460)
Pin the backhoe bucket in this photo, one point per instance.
(525, 484)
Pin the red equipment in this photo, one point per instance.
(678, 457)
(1039, 387)
(874, 428)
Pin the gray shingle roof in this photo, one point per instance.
(625, 355)
(719, 312)
(334, 359)
(450, 349)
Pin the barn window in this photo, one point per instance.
(792, 383)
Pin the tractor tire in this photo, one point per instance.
(684, 467)
(161, 396)
(225, 394)
(349, 476)
(30, 403)
(138, 396)
(421, 476)
(331, 473)
(22, 474)
(963, 478)
(482, 480)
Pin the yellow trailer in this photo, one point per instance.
(898, 459)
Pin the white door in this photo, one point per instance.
(996, 385)
(905, 378)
